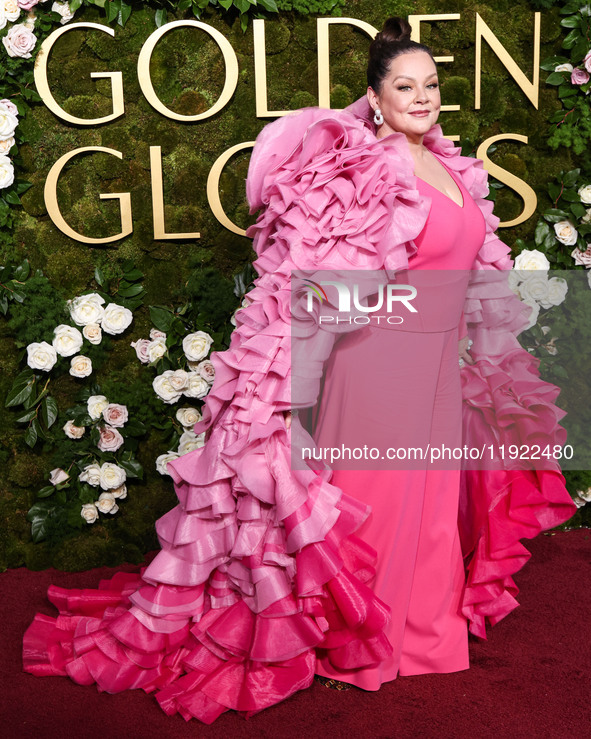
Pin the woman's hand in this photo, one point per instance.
(463, 347)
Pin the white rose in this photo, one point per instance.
(196, 346)
(557, 289)
(41, 356)
(106, 503)
(19, 41)
(535, 312)
(188, 416)
(86, 309)
(67, 340)
(156, 334)
(190, 441)
(92, 332)
(163, 388)
(8, 122)
(80, 366)
(112, 476)
(585, 194)
(514, 279)
(566, 233)
(528, 260)
(582, 257)
(116, 319)
(6, 145)
(96, 404)
(64, 10)
(197, 386)
(120, 492)
(585, 495)
(11, 10)
(156, 349)
(58, 475)
(6, 171)
(9, 105)
(110, 439)
(566, 67)
(91, 474)
(141, 347)
(163, 460)
(536, 288)
(72, 431)
(89, 512)
(179, 379)
(206, 370)
(587, 217)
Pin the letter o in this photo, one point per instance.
(143, 70)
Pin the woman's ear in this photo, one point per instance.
(372, 98)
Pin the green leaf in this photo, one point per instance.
(548, 65)
(31, 434)
(99, 277)
(570, 22)
(132, 467)
(579, 50)
(46, 491)
(112, 11)
(38, 515)
(19, 394)
(49, 411)
(75, 4)
(160, 17)
(571, 39)
(555, 214)
(133, 275)
(556, 78)
(162, 318)
(22, 271)
(124, 14)
(571, 177)
(269, 5)
(28, 416)
(131, 291)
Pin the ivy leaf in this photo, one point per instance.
(160, 17)
(124, 14)
(49, 411)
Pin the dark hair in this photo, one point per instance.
(392, 41)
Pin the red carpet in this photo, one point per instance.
(531, 679)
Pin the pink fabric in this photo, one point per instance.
(273, 551)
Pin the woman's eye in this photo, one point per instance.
(433, 85)
(404, 87)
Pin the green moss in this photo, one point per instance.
(26, 470)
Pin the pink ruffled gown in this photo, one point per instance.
(261, 572)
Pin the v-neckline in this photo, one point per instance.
(461, 207)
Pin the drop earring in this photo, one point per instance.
(378, 118)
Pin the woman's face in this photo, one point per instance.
(409, 98)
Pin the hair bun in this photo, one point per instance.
(395, 29)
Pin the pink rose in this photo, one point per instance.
(115, 415)
(141, 349)
(19, 41)
(587, 61)
(206, 370)
(10, 106)
(110, 439)
(156, 334)
(579, 76)
(27, 4)
(582, 257)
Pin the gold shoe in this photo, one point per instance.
(329, 682)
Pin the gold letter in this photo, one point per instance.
(260, 72)
(42, 84)
(415, 24)
(213, 184)
(50, 195)
(529, 196)
(143, 70)
(529, 88)
(158, 199)
(322, 25)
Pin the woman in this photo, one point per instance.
(261, 581)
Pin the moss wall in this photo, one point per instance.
(187, 72)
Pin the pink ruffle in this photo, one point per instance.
(260, 570)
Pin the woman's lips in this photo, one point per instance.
(420, 113)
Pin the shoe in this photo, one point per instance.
(329, 682)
